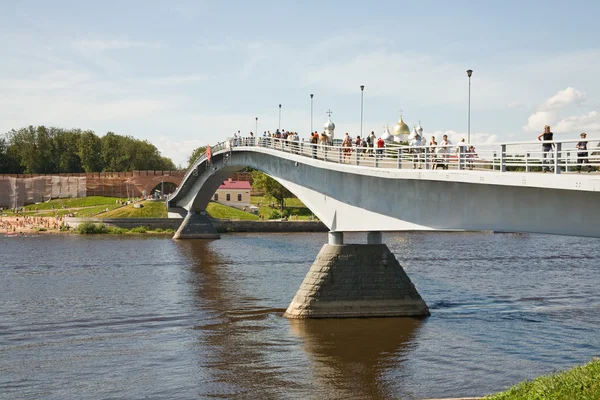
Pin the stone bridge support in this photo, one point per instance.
(196, 226)
(356, 280)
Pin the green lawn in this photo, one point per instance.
(216, 210)
(151, 209)
(292, 205)
(86, 212)
(581, 383)
(74, 203)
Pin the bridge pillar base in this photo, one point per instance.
(196, 226)
(356, 280)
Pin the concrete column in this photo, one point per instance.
(196, 226)
(336, 237)
(374, 238)
(356, 280)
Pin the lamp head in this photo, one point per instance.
(362, 87)
(280, 106)
(469, 72)
(311, 95)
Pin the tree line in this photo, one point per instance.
(50, 150)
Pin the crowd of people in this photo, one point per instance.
(29, 224)
(420, 149)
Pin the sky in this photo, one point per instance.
(184, 74)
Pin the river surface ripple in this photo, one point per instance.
(142, 317)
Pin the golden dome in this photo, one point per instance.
(401, 128)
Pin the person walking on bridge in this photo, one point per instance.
(547, 148)
(582, 154)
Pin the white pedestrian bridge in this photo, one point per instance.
(401, 188)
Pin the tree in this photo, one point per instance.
(89, 147)
(273, 189)
(195, 154)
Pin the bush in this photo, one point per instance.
(139, 229)
(89, 228)
(285, 214)
(275, 215)
(158, 230)
(169, 230)
(116, 230)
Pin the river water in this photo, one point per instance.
(143, 317)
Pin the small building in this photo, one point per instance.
(233, 193)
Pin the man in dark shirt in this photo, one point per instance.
(582, 154)
(547, 147)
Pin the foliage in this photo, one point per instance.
(90, 228)
(578, 383)
(150, 209)
(275, 215)
(199, 151)
(42, 150)
(139, 229)
(116, 230)
(293, 205)
(220, 211)
(272, 189)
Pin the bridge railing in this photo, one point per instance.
(535, 156)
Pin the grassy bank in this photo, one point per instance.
(84, 207)
(293, 207)
(220, 211)
(581, 383)
(150, 209)
(91, 228)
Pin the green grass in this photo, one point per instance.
(216, 210)
(74, 203)
(581, 383)
(151, 209)
(293, 206)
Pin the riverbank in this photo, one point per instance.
(61, 225)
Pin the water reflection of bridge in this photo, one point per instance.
(348, 358)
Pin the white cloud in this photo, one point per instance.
(548, 113)
(589, 123)
(564, 98)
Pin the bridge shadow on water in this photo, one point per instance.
(249, 351)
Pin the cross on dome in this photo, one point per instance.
(329, 112)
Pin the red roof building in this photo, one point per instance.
(234, 193)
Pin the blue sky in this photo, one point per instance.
(186, 73)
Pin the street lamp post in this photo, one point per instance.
(280, 117)
(469, 73)
(362, 91)
(311, 113)
(256, 125)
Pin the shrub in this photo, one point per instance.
(89, 228)
(158, 230)
(169, 230)
(139, 229)
(116, 230)
(275, 215)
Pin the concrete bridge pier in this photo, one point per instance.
(196, 226)
(356, 280)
